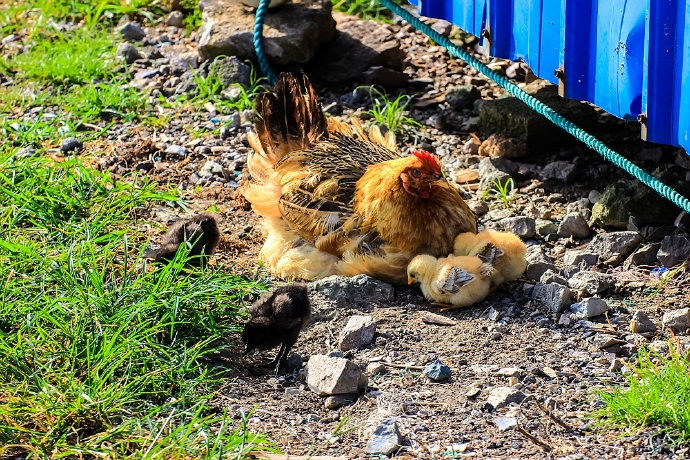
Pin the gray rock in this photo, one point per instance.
(357, 333)
(437, 371)
(573, 224)
(589, 307)
(462, 97)
(442, 27)
(552, 296)
(677, 320)
(674, 250)
(231, 70)
(545, 227)
(175, 19)
(71, 144)
(614, 244)
(645, 255)
(550, 276)
(128, 52)
(332, 375)
(579, 257)
(601, 341)
(342, 291)
(356, 47)
(211, 168)
(182, 63)
(389, 78)
(590, 283)
(503, 396)
(132, 31)
(337, 401)
(385, 440)
(374, 369)
(641, 323)
(563, 171)
(292, 33)
(505, 423)
(524, 227)
(660, 346)
(537, 262)
(512, 118)
(509, 372)
(581, 206)
(593, 196)
(177, 150)
(620, 201)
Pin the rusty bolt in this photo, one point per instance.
(642, 118)
(558, 73)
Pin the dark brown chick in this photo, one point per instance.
(200, 233)
(277, 318)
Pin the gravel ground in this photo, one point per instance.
(516, 338)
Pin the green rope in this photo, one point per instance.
(536, 105)
(259, 41)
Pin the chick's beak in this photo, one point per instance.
(410, 280)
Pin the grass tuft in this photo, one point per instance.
(391, 113)
(658, 394)
(102, 355)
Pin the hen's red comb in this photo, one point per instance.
(430, 159)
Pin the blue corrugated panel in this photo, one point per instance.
(629, 57)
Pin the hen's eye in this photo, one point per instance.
(416, 173)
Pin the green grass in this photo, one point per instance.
(365, 9)
(77, 57)
(658, 395)
(102, 356)
(500, 192)
(389, 112)
(35, 16)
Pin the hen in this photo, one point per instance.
(336, 200)
(456, 281)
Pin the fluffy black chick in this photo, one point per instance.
(277, 318)
(200, 232)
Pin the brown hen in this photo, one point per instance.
(336, 200)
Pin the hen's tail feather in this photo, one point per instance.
(290, 117)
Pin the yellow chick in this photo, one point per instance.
(454, 281)
(504, 251)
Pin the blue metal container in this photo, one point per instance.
(629, 57)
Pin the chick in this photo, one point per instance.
(200, 233)
(456, 281)
(277, 319)
(504, 251)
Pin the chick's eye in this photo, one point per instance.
(416, 173)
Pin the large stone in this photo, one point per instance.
(327, 375)
(640, 323)
(358, 332)
(644, 255)
(386, 438)
(538, 262)
(231, 70)
(674, 250)
(512, 118)
(552, 296)
(341, 291)
(589, 282)
(524, 227)
(614, 244)
(357, 46)
(677, 320)
(589, 308)
(503, 396)
(292, 32)
(622, 200)
(563, 171)
(573, 224)
(579, 257)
